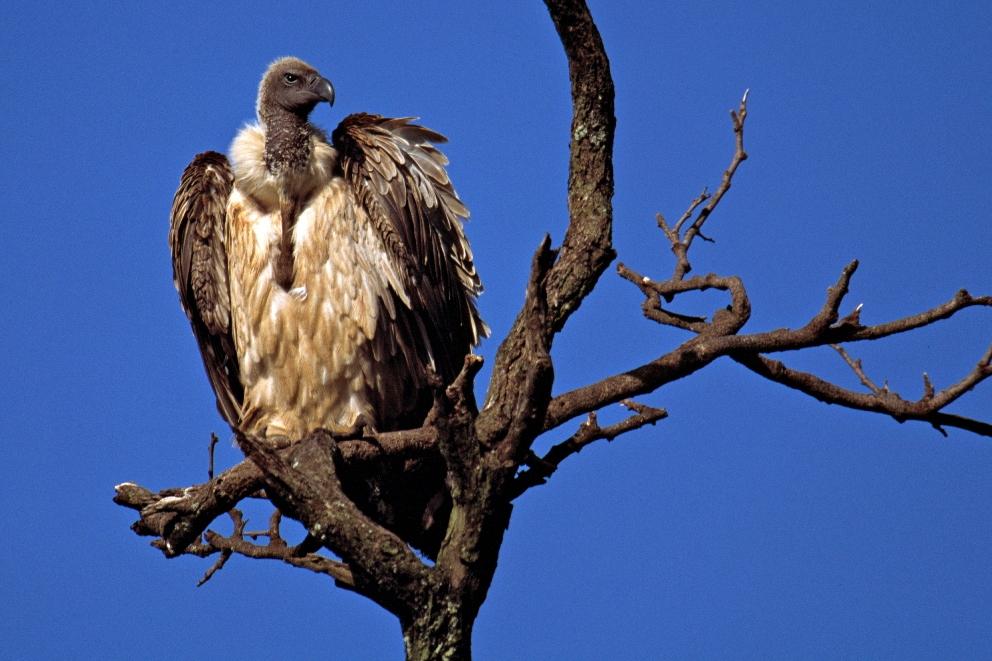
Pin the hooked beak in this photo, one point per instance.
(322, 88)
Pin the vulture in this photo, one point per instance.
(325, 278)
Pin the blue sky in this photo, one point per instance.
(753, 523)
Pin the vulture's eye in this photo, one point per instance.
(290, 78)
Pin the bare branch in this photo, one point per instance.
(939, 420)
(339, 571)
(587, 249)
(740, 307)
(459, 395)
(819, 332)
(179, 516)
(453, 413)
(835, 296)
(273, 532)
(542, 468)
(717, 340)
(739, 157)
(407, 443)
(225, 555)
(681, 243)
(960, 301)
(883, 401)
(276, 549)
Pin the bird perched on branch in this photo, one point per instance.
(324, 279)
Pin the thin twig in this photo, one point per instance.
(225, 554)
(541, 468)
(739, 157)
(681, 242)
(856, 366)
(692, 207)
(213, 442)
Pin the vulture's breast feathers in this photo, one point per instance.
(305, 353)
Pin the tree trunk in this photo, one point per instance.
(441, 632)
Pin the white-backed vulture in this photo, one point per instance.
(323, 278)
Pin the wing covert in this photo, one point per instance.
(199, 269)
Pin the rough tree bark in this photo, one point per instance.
(487, 452)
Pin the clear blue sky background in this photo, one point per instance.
(753, 523)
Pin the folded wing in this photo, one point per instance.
(398, 176)
(199, 269)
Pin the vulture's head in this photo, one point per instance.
(292, 85)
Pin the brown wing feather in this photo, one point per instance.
(199, 269)
(399, 178)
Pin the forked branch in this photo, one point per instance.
(681, 242)
(303, 555)
(880, 400)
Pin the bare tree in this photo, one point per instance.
(488, 452)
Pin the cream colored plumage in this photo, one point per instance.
(305, 354)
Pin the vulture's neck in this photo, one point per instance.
(288, 146)
(288, 142)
